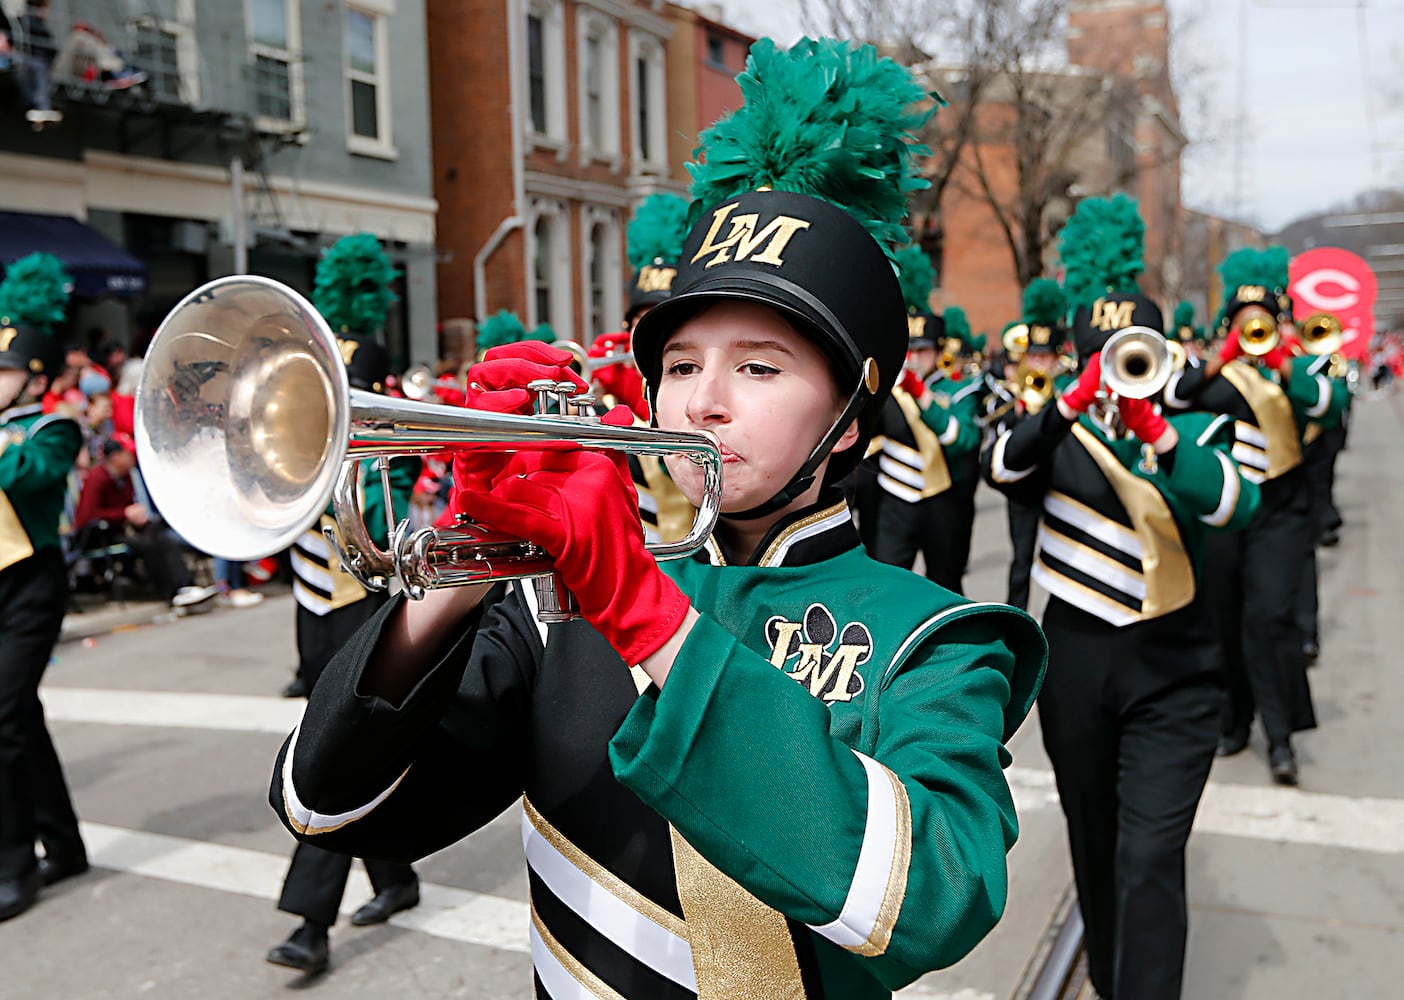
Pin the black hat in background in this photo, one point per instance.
(924, 329)
(1093, 326)
(27, 348)
(367, 362)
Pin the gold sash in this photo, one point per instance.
(14, 540)
(1273, 412)
(935, 473)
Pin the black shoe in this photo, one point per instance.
(297, 688)
(306, 950)
(53, 870)
(1311, 651)
(18, 894)
(386, 902)
(1282, 764)
(1232, 743)
(1330, 538)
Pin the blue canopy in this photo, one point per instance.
(99, 266)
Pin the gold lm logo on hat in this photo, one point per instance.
(916, 326)
(348, 349)
(1112, 315)
(744, 241)
(1040, 335)
(656, 279)
(7, 337)
(1250, 293)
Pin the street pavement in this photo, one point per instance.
(168, 728)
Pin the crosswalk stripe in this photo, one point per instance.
(1258, 812)
(443, 911)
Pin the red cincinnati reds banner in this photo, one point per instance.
(1336, 281)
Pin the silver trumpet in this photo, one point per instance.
(246, 428)
(586, 365)
(1136, 364)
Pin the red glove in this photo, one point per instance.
(912, 383)
(582, 508)
(623, 381)
(1140, 419)
(498, 382)
(1231, 350)
(1081, 394)
(1287, 347)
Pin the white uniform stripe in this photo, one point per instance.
(306, 820)
(1001, 472)
(653, 945)
(924, 629)
(313, 543)
(951, 432)
(817, 528)
(1315, 367)
(1249, 457)
(1080, 597)
(907, 456)
(1213, 429)
(647, 502)
(1248, 434)
(902, 473)
(899, 490)
(555, 976)
(310, 599)
(1104, 529)
(1064, 550)
(855, 924)
(1323, 401)
(528, 592)
(315, 575)
(1228, 500)
(1172, 396)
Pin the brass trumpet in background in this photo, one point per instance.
(586, 365)
(246, 427)
(1321, 333)
(1259, 336)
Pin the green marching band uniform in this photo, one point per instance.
(37, 452)
(906, 500)
(813, 803)
(1256, 576)
(1130, 702)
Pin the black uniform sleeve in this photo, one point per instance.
(1016, 462)
(365, 777)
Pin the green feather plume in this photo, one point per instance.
(35, 292)
(825, 118)
(353, 285)
(957, 324)
(1101, 247)
(1184, 315)
(502, 328)
(544, 333)
(916, 276)
(658, 230)
(1045, 303)
(1247, 266)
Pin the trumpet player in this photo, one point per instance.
(772, 769)
(1129, 707)
(1272, 393)
(906, 497)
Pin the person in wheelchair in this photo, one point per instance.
(108, 512)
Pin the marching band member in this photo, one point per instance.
(959, 385)
(906, 501)
(770, 770)
(332, 604)
(1130, 703)
(37, 451)
(1256, 574)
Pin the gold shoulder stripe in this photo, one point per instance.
(781, 539)
(1273, 411)
(603, 877)
(935, 473)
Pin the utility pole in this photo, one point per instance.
(240, 228)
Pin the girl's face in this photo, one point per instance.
(741, 371)
(12, 383)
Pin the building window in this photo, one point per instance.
(650, 132)
(367, 83)
(165, 49)
(598, 85)
(536, 72)
(716, 51)
(545, 62)
(274, 48)
(541, 270)
(602, 271)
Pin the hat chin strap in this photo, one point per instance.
(804, 478)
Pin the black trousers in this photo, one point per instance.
(929, 526)
(34, 800)
(1130, 722)
(1252, 580)
(160, 553)
(1023, 536)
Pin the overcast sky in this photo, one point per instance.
(1304, 65)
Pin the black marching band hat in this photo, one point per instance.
(655, 238)
(33, 299)
(1255, 278)
(1045, 309)
(825, 138)
(1094, 325)
(353, 294)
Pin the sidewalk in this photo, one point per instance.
(119, 616)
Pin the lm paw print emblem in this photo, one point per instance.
(816, 654)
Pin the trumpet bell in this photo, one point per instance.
(1322, 333)
(1136, 363)
(1258, 336)
(418, 383)
(239, 417)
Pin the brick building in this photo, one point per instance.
(552, 120)
(1121, 134)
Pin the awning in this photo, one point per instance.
(99, 266)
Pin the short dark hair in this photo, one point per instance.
(111, 447)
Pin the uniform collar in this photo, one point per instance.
(20, 412)
(809, 535)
